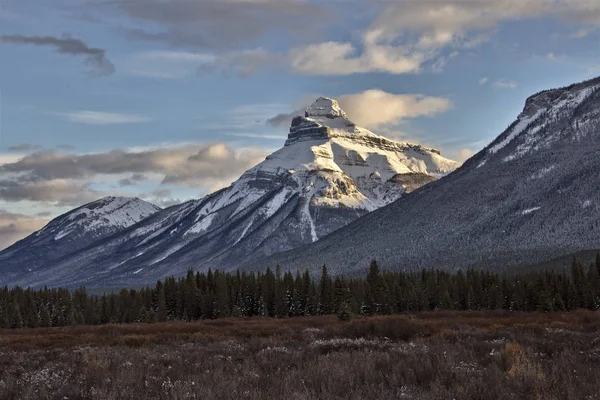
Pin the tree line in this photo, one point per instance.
(218, 294)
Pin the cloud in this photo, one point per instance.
(439, 64)
(463, 155)
(555, 57)
(25, 147)
(167, 64)
(221, 24)
(258, 136)
(15, 226)
(102, 118)
(62, 192)
(583, 32)
(65, 178)
(376, 108)
(132, 180)
(408, 36)
(283, 119)
(335, 58)
(161, 197)
(483, 80)
(94, 57)
(505, 84)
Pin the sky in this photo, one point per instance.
(169, 100)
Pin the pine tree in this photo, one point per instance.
(16, 319)
(161, 310)
(45, 321)
(325, 293)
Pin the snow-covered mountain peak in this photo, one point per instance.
(107, 214)
(325, 107)
(535, 127)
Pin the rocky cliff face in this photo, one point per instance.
(329, 173)
(532, 195)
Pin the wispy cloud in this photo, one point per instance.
(166, 64)
(505, 84)
(257, 136)
(102, 118)
(483, 80)
(94, 57)
(25, 147)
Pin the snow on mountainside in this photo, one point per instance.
(72, 231)
(532, 195)
(329, 173)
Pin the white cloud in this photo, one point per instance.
(376, 108)
(407, 36)
(463, 154)
(483, 80)
(505, 84)
(102, 118)
(555, 57)
(583, 32)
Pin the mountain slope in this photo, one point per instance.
(530, 196)
(329, 173)
(70, 232)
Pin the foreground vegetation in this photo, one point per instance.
(430, 355)
(200, 296)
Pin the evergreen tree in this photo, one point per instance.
(161, 309)
(325, 293)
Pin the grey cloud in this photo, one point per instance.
(60, 191)
(25, 147)
(94, 57)
(14, 226)
(132, 180)
(222, 24)
(65, 178)
(284, 119)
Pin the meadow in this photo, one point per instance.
(427, 355)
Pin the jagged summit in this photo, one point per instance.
(325, 107)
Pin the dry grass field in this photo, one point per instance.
(436, 355)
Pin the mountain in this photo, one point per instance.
(329, 173)
(530, 196)
(71, 232)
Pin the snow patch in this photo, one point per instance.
(524, 122)
(530, 210)
(201, 226)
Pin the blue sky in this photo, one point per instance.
(169, 100)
